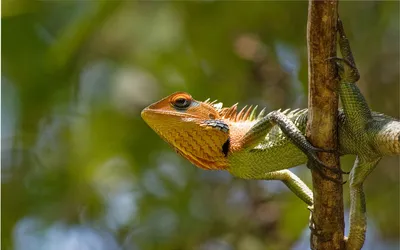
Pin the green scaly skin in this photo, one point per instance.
(368, 135)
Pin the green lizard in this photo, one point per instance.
(265, 146)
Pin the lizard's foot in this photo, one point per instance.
(346, 66)
(340, 61)
(315, 230)
(316, 165)
(347, 70)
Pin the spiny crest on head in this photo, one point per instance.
(214, 104)
(247, 113)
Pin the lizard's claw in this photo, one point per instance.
(312, 156)
(315, 163)
(318, 165)
(311, 223)
(315, 149)
(346, 69)
(341, 61)
(314, 228)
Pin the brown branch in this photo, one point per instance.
(322, 125)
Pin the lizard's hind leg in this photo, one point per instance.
(352, 74)
(359, 138)
(293, 182)
(358, 221)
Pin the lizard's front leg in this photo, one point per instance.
(264, 125)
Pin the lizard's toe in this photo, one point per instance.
(315, 149)
(318, 166)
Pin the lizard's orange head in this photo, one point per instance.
(193, 128)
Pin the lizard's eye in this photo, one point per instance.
(181, 101)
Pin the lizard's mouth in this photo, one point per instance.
(149, 114)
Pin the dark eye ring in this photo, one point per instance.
(181, 103)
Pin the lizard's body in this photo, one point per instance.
(272, 153)
(277, 152)
(263, 147)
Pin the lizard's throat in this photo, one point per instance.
(218, 163)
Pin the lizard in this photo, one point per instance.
(264, 146)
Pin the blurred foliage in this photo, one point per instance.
(81, 170)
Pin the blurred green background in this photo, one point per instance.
(81, 170)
